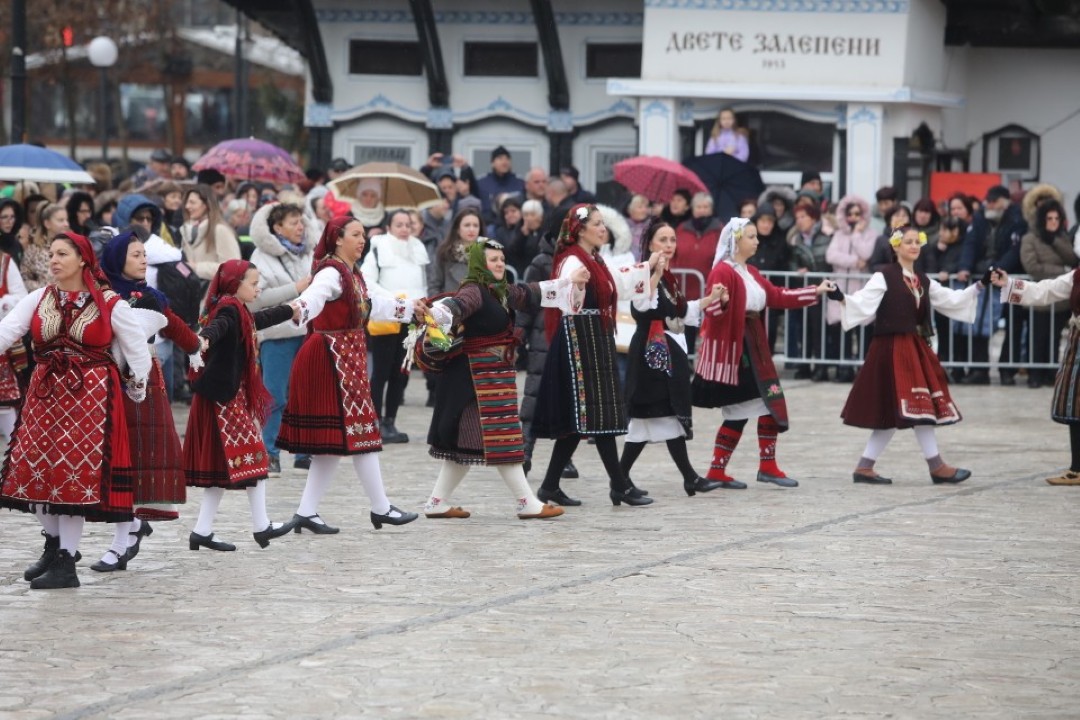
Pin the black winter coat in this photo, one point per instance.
(530, 321)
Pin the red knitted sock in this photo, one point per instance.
(767, 430)
(727, 438)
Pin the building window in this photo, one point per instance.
(616, 60)
(782, 142)
(384, 57)
(1012, 151)
(502, 59)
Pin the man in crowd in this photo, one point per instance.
(500, 180)
(536, 181)
(570, 176)
(158, 167)
(560, 202)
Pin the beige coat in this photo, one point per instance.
(205, 257)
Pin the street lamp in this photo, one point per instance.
(102, 52)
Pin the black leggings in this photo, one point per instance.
(1074, 445)
(387, 354)
(564, 451)
(676, 448)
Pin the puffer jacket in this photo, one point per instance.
(847, 247)
(279, 270)
(530, 325)
(1043, 260)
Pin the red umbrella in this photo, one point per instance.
(656, 178)
(251, 159)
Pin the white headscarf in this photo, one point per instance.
(725, 248)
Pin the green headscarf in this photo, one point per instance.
(479, 273)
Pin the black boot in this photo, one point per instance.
(390, 434)
(52, 544)
(61, 574)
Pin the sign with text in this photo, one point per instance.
(722, 46)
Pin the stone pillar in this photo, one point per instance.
(865, 149)
(658, 128)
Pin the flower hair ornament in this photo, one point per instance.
(582, 213)
(898, 236)
(730, 235)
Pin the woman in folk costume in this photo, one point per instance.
(580, 394)
(157, 467)
(476, 420)
(735, 371)
(1065, 407)
(12, 290)
(658, 371)
(902, 383)
(69, 459)
(330, 413)
(223, 445)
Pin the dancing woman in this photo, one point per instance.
(580, 393)
(69, 460)
(902, 384)
(330, 413)
(735, 371)
(156, 455)
(12, 291)
(658, 371)
(1065, 406)
(223, 445)
(476, 420)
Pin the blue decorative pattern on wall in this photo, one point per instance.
(499, 107)
(891, 7)
(467, 17)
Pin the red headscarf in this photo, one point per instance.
(92, 274)
(353, 290)
(222, 294)
(331, 234)
(600, 279)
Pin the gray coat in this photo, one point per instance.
(531, 323)
(279, 270)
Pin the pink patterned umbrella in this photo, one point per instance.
(251, 159)
(656, 178)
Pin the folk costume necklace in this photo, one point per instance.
(913, 284)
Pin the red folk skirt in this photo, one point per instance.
(223, 446)
(69, 452)
(156, 455)
(901, 384)
(329, 411)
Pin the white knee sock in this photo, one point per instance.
(211, 500)
(879, 440)
(7, 422)
(367, 469)
(927, 440)
(514, 477)
(320, 475)
(134, 527)
(50, 523)
(71, 527)
(450, 476)
(119, 544)
(257, 499)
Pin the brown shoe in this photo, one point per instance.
(1069, 478)
(454, 512)
(546, 513)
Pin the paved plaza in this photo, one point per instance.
(827, 601)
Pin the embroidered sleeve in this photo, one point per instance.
(694, 313)
(860, 308)
(131, 338)
(647, 303)
(324, 287)
(16, 290)
(562, 294)
(632, 281)
(959, 305)
(389, 308)
(1036, 294)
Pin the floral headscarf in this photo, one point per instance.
(731, 234)
(479, 274)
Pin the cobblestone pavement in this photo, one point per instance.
(830, 600)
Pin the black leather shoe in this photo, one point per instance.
(263, 537)
(405, 518)
(556, 496)
(700, 484)
(874, 479)
(60, 574)
(636, 489)
(196, 541)
(628, 497)
(982, 377)
(777, 480)
(144, 531)
(570, 472)
(732, 485)
(300, 522)
(120, 564)
(390, 434)
(959, 475)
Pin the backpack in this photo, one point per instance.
(183, 288)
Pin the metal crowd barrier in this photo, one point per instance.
(1032, 336)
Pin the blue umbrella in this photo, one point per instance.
(30, 162)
